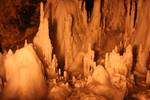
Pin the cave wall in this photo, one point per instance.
(77, 32)
(103, 23)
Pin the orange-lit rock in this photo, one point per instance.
(59, 92)
(24, 75)
(42, 42)
(119, 68)
(72, 55)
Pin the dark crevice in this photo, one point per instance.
(52, 35)
(135, 16)
(102, 11)
(53, 29)
(130, 7)
(135, 57)
(148, 61)
(89, 4)
(125, 6)
(1, 48)
(121, 51)
(24, 17)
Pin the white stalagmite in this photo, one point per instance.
(42, 41)
(24, 75)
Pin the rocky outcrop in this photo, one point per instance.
(24, 75)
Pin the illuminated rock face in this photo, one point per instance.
(42, 41)
(113, 75)
(80, 76)
(101, 85)
(117, 64)
(70, 29)
(119, 68)
(24, 75)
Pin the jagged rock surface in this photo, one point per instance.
(24, 75)
(81, 38)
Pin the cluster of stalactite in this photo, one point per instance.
(62, 61)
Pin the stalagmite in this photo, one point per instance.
(59, 72)
(148, 78)
(24, 75)
(119, 68)
(10, 52)
(71, 55)
(51, 69)
(115, 63)
(128, 59)
(25, 43)
(88, 62)
(42, 41)
(65, 75)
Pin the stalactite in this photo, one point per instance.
(76, 36)
(94, 25)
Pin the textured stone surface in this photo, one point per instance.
(81, 33)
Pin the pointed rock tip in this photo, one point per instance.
(41, 11)
(25, 43)
(10, 52)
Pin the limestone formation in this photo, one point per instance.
(24, 75)
(148, 77)
(83, 49)
(42, 42)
